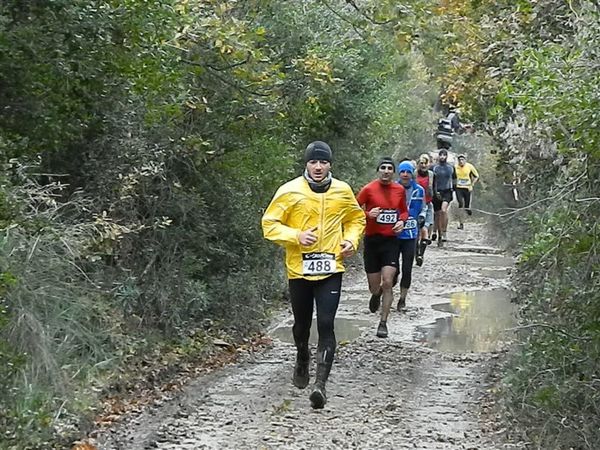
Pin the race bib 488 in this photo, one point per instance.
(318, 263)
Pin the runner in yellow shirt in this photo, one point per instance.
(466, 177)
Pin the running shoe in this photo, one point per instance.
(318, 397)
(382, 330)
(374, 302)
(301, 378)
(401, 304)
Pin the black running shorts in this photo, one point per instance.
(446, 196)
(380, 251)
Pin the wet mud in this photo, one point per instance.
(425, 387)
(478, 322)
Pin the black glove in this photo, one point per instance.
(420, 221)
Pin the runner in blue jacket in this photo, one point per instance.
(415, 202)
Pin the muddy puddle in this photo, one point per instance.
(477, 324)
(478, 260)
(345, 330)
(497, 273)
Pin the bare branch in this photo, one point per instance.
(218, 69)
(561, 193)
(354, 26)
(370, 19)
(589, 199)
(230, 66)
(215, 72)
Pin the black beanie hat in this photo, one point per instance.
(317, 151)
(386, 160)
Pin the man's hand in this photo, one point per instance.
(398, 227)
(308, 237)
(420, 221)
(373, 213)
(347, 249)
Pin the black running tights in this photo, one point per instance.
(326, 294)
(408, 248)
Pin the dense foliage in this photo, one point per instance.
(529, 71)
(140, 142)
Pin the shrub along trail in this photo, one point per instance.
(383, 393)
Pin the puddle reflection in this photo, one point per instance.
(345, 330)
(477, 326)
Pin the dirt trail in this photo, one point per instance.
(393, 393)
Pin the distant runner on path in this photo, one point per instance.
(384, 202)
(443, 184)
(318, 221)
(424, 177)
(466, 178)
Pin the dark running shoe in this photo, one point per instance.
(301, 377)
(434, 237)
(461, 226)
(419, 260)
(401, 304)
(382, 330)
(374, 302)
(318, 397)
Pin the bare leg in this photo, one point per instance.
(423, 233)
(374, 280)
(444, 218)
(387, 283)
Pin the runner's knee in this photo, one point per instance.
(387, 283)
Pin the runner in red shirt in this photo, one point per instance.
(425, 179)
(384, 203)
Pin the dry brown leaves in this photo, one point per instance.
(162, 379)
(83, 446)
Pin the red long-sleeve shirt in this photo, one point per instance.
(391, 198)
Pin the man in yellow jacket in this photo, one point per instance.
(318, 221)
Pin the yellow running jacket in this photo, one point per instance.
(335, 213)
